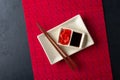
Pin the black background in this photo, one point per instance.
(15, 63)
(112, 18)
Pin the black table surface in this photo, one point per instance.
(15, 63)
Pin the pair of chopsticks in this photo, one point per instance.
(65, 56)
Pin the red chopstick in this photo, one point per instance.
(65, 56)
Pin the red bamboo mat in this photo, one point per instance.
(93, 62)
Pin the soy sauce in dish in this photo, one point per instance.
(75, 39)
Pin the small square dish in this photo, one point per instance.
(75, 27)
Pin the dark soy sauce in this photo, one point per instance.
(75, 39)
